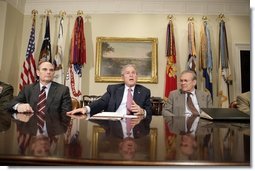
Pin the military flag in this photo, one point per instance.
(171, 78)
(223, 68)
(191, 63)
(77, 59)
(58, 59)
(205, 60)
(45, 53)
(170, 84)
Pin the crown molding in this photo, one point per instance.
(205, 7)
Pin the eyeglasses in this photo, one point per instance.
(185, 81)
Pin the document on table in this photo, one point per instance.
(111, 116)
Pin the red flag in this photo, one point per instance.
(28, 75)
(78, 44)
(171, 78)
(170, 84)
(77, 59)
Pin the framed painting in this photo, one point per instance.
(113, 53)
(104, 147)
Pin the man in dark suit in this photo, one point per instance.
(58, 99)
(176, 103)
(115, 99)
(6, 94)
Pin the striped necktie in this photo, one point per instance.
(41, 109)
(129, 103)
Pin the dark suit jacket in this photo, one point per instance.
(111, 100)
(5, 120)
(6, 94)
(57, 104)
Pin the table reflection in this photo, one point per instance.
(209, 141)
(112, 140)
(160, 141)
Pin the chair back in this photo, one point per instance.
(87, 99)
(75, 103)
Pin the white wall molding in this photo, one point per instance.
(189, 7)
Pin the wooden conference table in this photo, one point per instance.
(92, 142)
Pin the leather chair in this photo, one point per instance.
(75, 103)
(157, 105)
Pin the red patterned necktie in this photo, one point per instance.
(41, 109)
(129, 103)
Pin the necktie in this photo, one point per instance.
(191, 105)
(190, 121)
(41, 109)
(129, 102)
(193, 110)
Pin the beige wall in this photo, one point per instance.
(117, 25)
(12, 43)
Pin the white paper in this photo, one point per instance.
(111, 116)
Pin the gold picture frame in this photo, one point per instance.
(102, 148)
(113, 52)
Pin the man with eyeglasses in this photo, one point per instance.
(176, 103)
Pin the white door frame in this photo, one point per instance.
(238, 80)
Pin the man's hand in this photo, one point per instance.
(136, 109)
(24, 117)
(135, 121)
(24, 108)
(79, 113)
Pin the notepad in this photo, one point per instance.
(230, 114)
(111, 116)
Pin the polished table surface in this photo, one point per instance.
(93, 142)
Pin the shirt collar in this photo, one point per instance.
(126, 87)
(192, 92)
(47, 86)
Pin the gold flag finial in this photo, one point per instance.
(221, 16)
(204, 18)
(62, 13)
(170, 17)
(48, 12)
(34, 12)
(79, 12)
(191, 19)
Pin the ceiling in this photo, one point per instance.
(205, 7)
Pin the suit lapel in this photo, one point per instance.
(35, 96)
(119, 95)
(137, 93)
(51, 95)
(182, 101)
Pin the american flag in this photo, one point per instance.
(28, 75)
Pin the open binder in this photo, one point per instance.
(231, 114)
